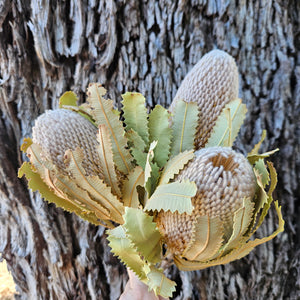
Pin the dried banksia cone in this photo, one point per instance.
(59, 130)
(212, 83)
(224, 178)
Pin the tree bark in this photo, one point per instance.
(49, 47)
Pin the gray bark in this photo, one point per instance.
(148, 46)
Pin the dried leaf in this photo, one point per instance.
(143, 233)
(135, 114)
(98, 190)
(103, 114)
(241, 221)
(129, 191)
(159, 283)
(122, 247)
(228, 124)
(175, 165)
(256, 148)
(175, 196)
(159, 131)
(106, 159)
(36, 183)
(184, 126)
(207, 238)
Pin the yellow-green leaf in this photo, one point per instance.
(135, 114)
(253, 158)
(175, 165)
(258, 145)
(228, 124)
(122, 247)
(184, 126)
(159, 283)
(143, 233)
(207, 238)
(175, 196)
(68, 98)
(159, 131)
(130, 195)
(106, 159)
(102, 110)
(262, 169)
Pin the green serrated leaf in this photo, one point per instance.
(129, 188)
(143, 233)
(36, 183)
(228, 124)
(68, 98)
(262, 169)
(175, 165)
(184, 126)
(273, 180)
(106, 159)
(135, 114)
(261, 195)
(137, 147)
(175, 196)
(159, 131)
(151, 170)
(159, 283)
(98, 190)
(206, 240)
(121, 246)
(103, 114)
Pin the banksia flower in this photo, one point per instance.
(212, 83)
(56, 131)
(224, 178)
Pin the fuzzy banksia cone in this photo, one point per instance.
(59, 130)
(224, 178)
(212, 83)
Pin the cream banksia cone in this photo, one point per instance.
(212, 83)
(57, 131)
(224, 179)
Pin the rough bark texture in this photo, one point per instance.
(148, 46)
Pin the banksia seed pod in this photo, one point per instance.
(224, 178)
(212, 83)
(59, 130)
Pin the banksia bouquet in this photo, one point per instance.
(167, 184)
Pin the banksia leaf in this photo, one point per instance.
(98, 190)
(151, 170)
(212, 83)
(68, 98)
(174, 165)
(106, 160)
(159, 131)
(122, 247)
(143, 233)
(160, 284)
(228, 124)
(137, 147)
(135, 114)
(175, 196)
(184, 126)
(103, 114)
(129, 189)
(206, 239)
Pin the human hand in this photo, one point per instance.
(137, 290)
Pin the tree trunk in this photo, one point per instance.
(47, 48)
